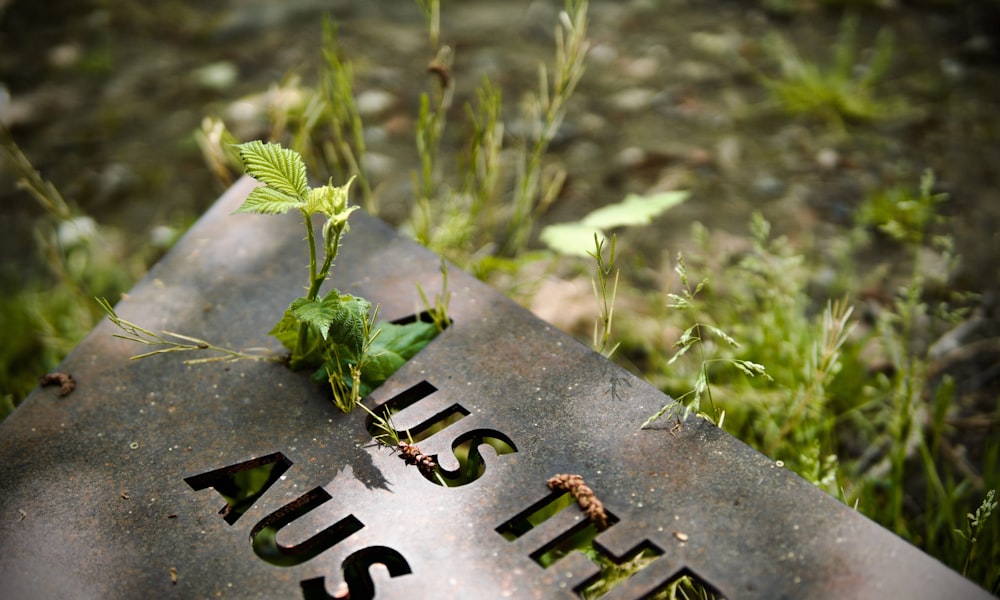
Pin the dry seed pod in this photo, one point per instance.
(412, 455)
(592, 508)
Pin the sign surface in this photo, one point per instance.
(156, 479)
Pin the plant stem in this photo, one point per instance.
(314, 284)
(316, 278)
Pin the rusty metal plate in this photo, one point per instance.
(116, 491)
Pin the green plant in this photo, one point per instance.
(545, 113)
(853, 425)
(903, 216)
(474, 224)
(915, 400)
(696, 336)
(570, 239)
(334, 334)
(339, 109)
(437, 311)
(974, 526)
(605, 297)
(837, 93)
(856, 406)
(47, 316)
(321, 123)
(485, 222)
(684, 587)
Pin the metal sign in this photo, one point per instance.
(156, 479)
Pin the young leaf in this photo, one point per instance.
(349, 322)
(268, 201)
(286, 330)
(634, 210)
(279, 168)
(571, 238)
(329, 199)
(317, 313)
(577, 238)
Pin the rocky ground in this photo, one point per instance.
(104, 97)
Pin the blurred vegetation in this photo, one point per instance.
(48, 315)
(844, 91)
(859, 398)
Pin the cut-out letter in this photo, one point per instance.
(263, 537)
(471, 465)
(582, 537)
(359, 582)
(687, 584)
(406, 399)
(242, 484)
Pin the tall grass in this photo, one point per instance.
(854, 405)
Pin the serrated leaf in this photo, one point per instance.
(268, 201)
(576, 238)
(391, 349)
(348, 325)
(634, 210)
(286, 330)
(280, 168)
(317, 313)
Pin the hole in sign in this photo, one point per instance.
(614, 570)
(242, 484)
(263, 537)
(356, 574)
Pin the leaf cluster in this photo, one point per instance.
(334, 334)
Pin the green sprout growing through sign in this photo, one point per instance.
(334, 334)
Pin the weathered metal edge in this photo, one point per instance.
(97, 512)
